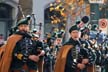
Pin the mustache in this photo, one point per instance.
(23, 31)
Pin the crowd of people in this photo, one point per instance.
(85, 51)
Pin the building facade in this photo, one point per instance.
(39, 7)
(8, 15)
(10, 12)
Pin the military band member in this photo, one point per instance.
(40, 51)
(19, 53)
(67, 59)
(105, 63)
(91, 54)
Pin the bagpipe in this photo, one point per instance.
(80, 53)
(98, 47)
(83, 53)
(83, 24)
(104, 50)
(26, 18)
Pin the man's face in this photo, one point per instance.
(59, 40)
(75, 34)
(86, 36)
(23, 27)
(35, 38)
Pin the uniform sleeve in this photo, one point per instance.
(92, 57)
(70, 62)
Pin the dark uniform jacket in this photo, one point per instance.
(38, 45)
(25, 48)
(74, 55)
(67, 60)
(71, 65)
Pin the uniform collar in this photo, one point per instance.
(24, 34)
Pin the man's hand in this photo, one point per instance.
(85, 61)
(80, 66)
(34, 58)
(42, 53)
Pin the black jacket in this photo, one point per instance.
(71, 65)
(24, 47)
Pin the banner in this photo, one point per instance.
(97, 1)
